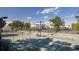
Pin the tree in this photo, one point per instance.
(57, 22)
(77, 17)
(2, 24)
(26, 26)
(11, 25)
(75, 26)
(16, 25)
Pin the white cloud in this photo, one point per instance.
(45, 17)
(69, 20)
(70, 16)
(69, 23)
(48, 10)
(29, 17)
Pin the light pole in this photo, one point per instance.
(40, 27)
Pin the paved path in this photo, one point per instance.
(72, 38)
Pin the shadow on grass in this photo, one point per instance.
(76, 47)
(4, 44)
(30, 45)
(37, 44)
(60, 46)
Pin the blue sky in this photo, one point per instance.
(39, 13)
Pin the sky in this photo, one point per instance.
(39, 13)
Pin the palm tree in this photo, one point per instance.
(17, 25)
(57, 22)
(26, 26)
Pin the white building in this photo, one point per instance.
(43, 25)
(49, 25)
(69, 26)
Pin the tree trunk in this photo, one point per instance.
(0, 34)
(0, 41)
